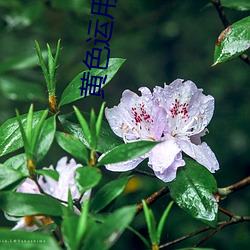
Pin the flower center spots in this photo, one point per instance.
(140, 114)
(179, 109)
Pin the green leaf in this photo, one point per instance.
(74, 228)
(19, 90)
(193, 191)
(73, 146)
(69, 230)
(233, 41)
(151, 223)
(92, 128)
(46, 137)
(99, 121)
(127, 152)
(9, 176)
(72, 91)
(143, 239)
(108, 193)
(20, 204)
(16, 240)
(18, 162)
(20, 62)
(162, 221)
(241, 5)
(105, 235)
(87, 177)
(53, 174)
(84, 125)
(10, 136)
(107, 139)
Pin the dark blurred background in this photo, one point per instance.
(161, 41)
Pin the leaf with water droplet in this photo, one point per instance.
(233, 41)
(193, 190)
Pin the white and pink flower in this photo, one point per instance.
(177, 115)
(58, 189)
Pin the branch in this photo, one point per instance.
(223, 192)
(226, 23)
(152, 198)
(235, 220)
(144, 173)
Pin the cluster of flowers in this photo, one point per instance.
(58, 189)
(176, 115)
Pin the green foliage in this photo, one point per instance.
(110, 230)
(72, 92)
(233, 41)
(241, 5)
(29, 204)
(108, 193)
(107, 138)
(193, 191)
(10, 136)
(87, 178)
(154, 231)
(73, 146)
(9, 176)
(127, 152)
(49, 72)
(16, 240)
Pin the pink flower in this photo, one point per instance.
(58, 189)
(177, 115)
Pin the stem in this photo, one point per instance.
(144, 173)
(224, 192)
(152, 198)
(226, 23)
(235, 220)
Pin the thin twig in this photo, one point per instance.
(223, 192)
(226, 23)
(144, 173)
(152, 198)
(235, 220)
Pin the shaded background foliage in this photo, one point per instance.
(162, 41)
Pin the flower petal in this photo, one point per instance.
(125, 166)
(201, 153)
(29, 187)
(137, 117)
(165, 158)
(189, 110)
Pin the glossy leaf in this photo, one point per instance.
(19, 90)
(108, 193)
(46, 137)
(87, 177)
(233, 41)
(53, 174)
(73, 146)
(107, 138)
(20, 204)
(105, 235)
(127, 152)
(9, 176)
(193, 191)
(10, 136)
(241, 5)
(72, 91)
(16, 240)
(18, 162)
